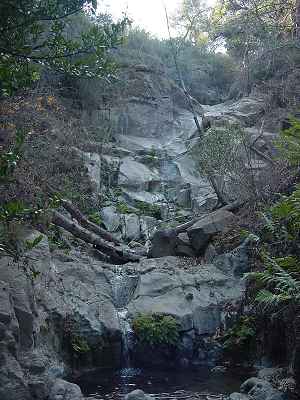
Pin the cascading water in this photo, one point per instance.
(124, 284)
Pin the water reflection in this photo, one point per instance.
(163, 384)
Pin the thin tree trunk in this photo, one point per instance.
(187, 95)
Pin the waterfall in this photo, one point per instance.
(124, 284)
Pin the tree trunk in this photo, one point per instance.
(83, 221)
(116, 255)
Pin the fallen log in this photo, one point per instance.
(117, 255)
(228, 207)
(86, 223)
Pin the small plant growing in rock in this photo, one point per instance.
(152, 210)
(154, 329)
(95, 217)
(79, 345)
(238, 339)
(123, 208)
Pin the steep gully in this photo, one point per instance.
(79, 298)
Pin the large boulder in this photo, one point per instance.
(197, 296)
(183, 246)
(163, 244)
(136, 175)
(71, 295)
(111, 218)
(246, 111)
(63, 390)
(203, 230)
(259, 389)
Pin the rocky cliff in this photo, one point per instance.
(68, 317)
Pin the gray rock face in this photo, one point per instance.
(246, 111)
(70, 288)
(111, 218)
(63, 390)
(196, 297)
(202, 231)
(163, 244)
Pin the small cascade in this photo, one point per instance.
(124, 284)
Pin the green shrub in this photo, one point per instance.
(237, 340)
(152, 210)
(123, 208)
(289, 142)
(155, 329)
(95, 218)
(278, 282)
(79, 345)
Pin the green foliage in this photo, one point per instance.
(259, 34)
(238, 339)
(152, 210)
(79, 344)
(35, 33)
(278, 283)
(123, 208)
(10, 159)
(155, 329)
(207, 75)
(56, 239)
(289, 142)
(218, 150)
(95, 218)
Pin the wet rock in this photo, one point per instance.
(183, 246)
(204, 203)
(110, 218)
(202, 231)
(131, 229)
(236, 261)
(210, 254)
(92, 162)
(260, 389)
(238, 396)
(63, 390)
(138, 395)
(163, 244)
(136, 175)
(184, 198)
(148, 226)
(269, 374)
(38, 389)
(163, 289)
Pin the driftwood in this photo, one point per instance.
(83, 221)
(116, 255)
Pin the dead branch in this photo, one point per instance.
(83, 221)
(117, 255)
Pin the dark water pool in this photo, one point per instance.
(163, 384)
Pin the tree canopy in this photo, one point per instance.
(35, 32)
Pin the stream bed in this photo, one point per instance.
(195, 384)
